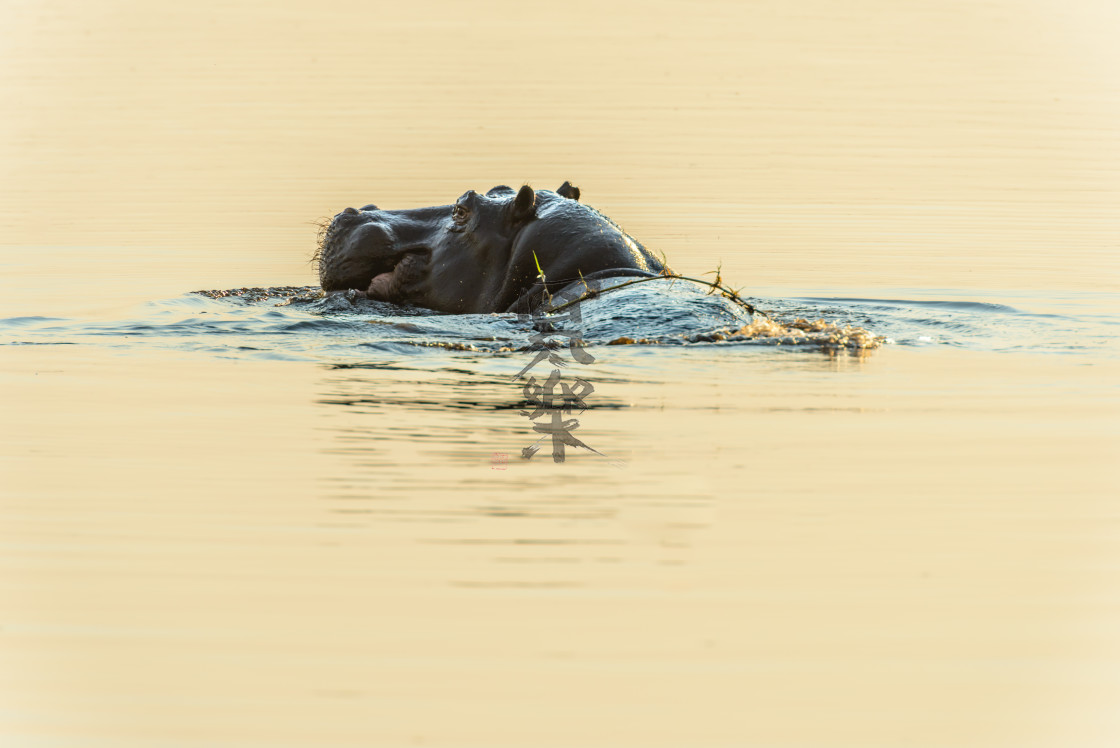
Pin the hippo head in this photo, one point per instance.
(479, 255)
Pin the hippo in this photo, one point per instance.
(502, 251)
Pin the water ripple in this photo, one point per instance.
(304, 324)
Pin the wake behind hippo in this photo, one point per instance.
(486, 253)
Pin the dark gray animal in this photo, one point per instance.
(479, 255)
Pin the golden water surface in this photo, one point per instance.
(919, 547)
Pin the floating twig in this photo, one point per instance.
(717, 285)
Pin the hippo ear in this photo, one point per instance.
(569, 191)
(524, 204)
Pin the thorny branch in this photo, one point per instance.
(713, 286)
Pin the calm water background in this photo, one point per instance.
(227, 524)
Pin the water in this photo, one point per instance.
(296, 520)
(304, 324)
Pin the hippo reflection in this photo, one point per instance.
(479, 255)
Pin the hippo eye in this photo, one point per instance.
(458, 213)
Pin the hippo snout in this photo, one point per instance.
(356, 247)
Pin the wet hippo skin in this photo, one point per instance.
(480, 254)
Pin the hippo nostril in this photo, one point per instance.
(349, 212)
(371, 206)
